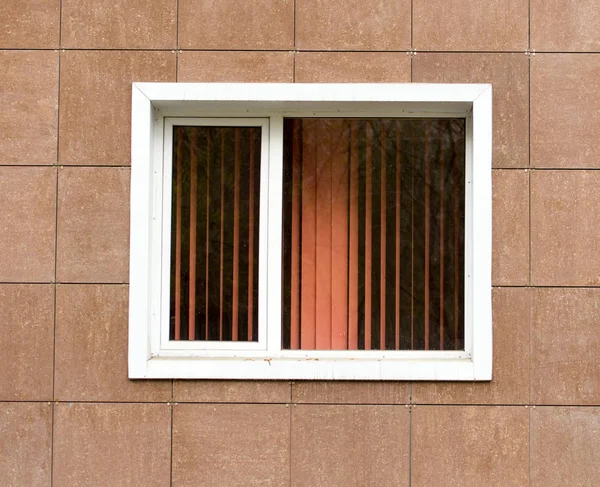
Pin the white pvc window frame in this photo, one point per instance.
(157, 107)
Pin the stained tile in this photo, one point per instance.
(510, 227)
(565, 446)
(236, 66)
(470, 25)
(233, 444)
(93, 224)
(565, 228)
(565, 345)
(111, 444)
(508, 74)
(349, 445)
(563, 25)
(564, 110)
(229, 24)
(470, 446)
(29, 24)
(240, 391)
(356, 25)
(26, 342)
(343, 392)
(29, 98)
(28, 223)
(95, 102)
(91, 347)
(25, 449)
(106, 24)
(510, 375)
(352, 67)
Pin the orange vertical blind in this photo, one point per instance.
(373, 234)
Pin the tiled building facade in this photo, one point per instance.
(69, 415)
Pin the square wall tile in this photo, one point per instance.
(236, 66)
(112, 444)
(28, 223)
(91, 347)
(510, 227)
(231, 444)
(93, 224)
(565, 346)
(565, 102)
(29, 24)
(95, 102)
(352, 67)
(353, 25)
(565, 228)
(26, 342)
(345, 392)
(470, 446)
(29, 97)
(241, 391)
(565, 446)
(25, 449)
(349, 445)
(110, 24)
(230, 24)
(510, 375)
(509, 76)
(470, 25)
(564, 25)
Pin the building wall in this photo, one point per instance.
(69, 415)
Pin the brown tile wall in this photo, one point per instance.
(69, 415)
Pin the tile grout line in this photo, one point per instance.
(172, 406)
(176, 40)
(410, 434)
(54, 285)
(290, 406)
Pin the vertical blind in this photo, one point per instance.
(373, 246)
(214, 237)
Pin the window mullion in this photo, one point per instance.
(274, 233)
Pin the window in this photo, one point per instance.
(311, 231)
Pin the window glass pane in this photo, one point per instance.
(214, 233)
(373, 234)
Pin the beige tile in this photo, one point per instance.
(111, 444)
(343, 392)
(564, 25)
(355, 25)
(95, 102)
(27, 223)
(236, 66)
(565, 228)
(470, 446)
(110, 24)
(91, 347)
(510, 227)
(29, 24)
(565, 446)
(230, 445)
(564, 110)
(93, 224)
(470, 25)
(230, 24)
(349, 445)
(352, 67)
(509, 75)
(510, 376)
(565, 346)
(244, 391)
(26, 342)
(29, 98)
(25, 448)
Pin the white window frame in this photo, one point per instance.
(156, 107)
